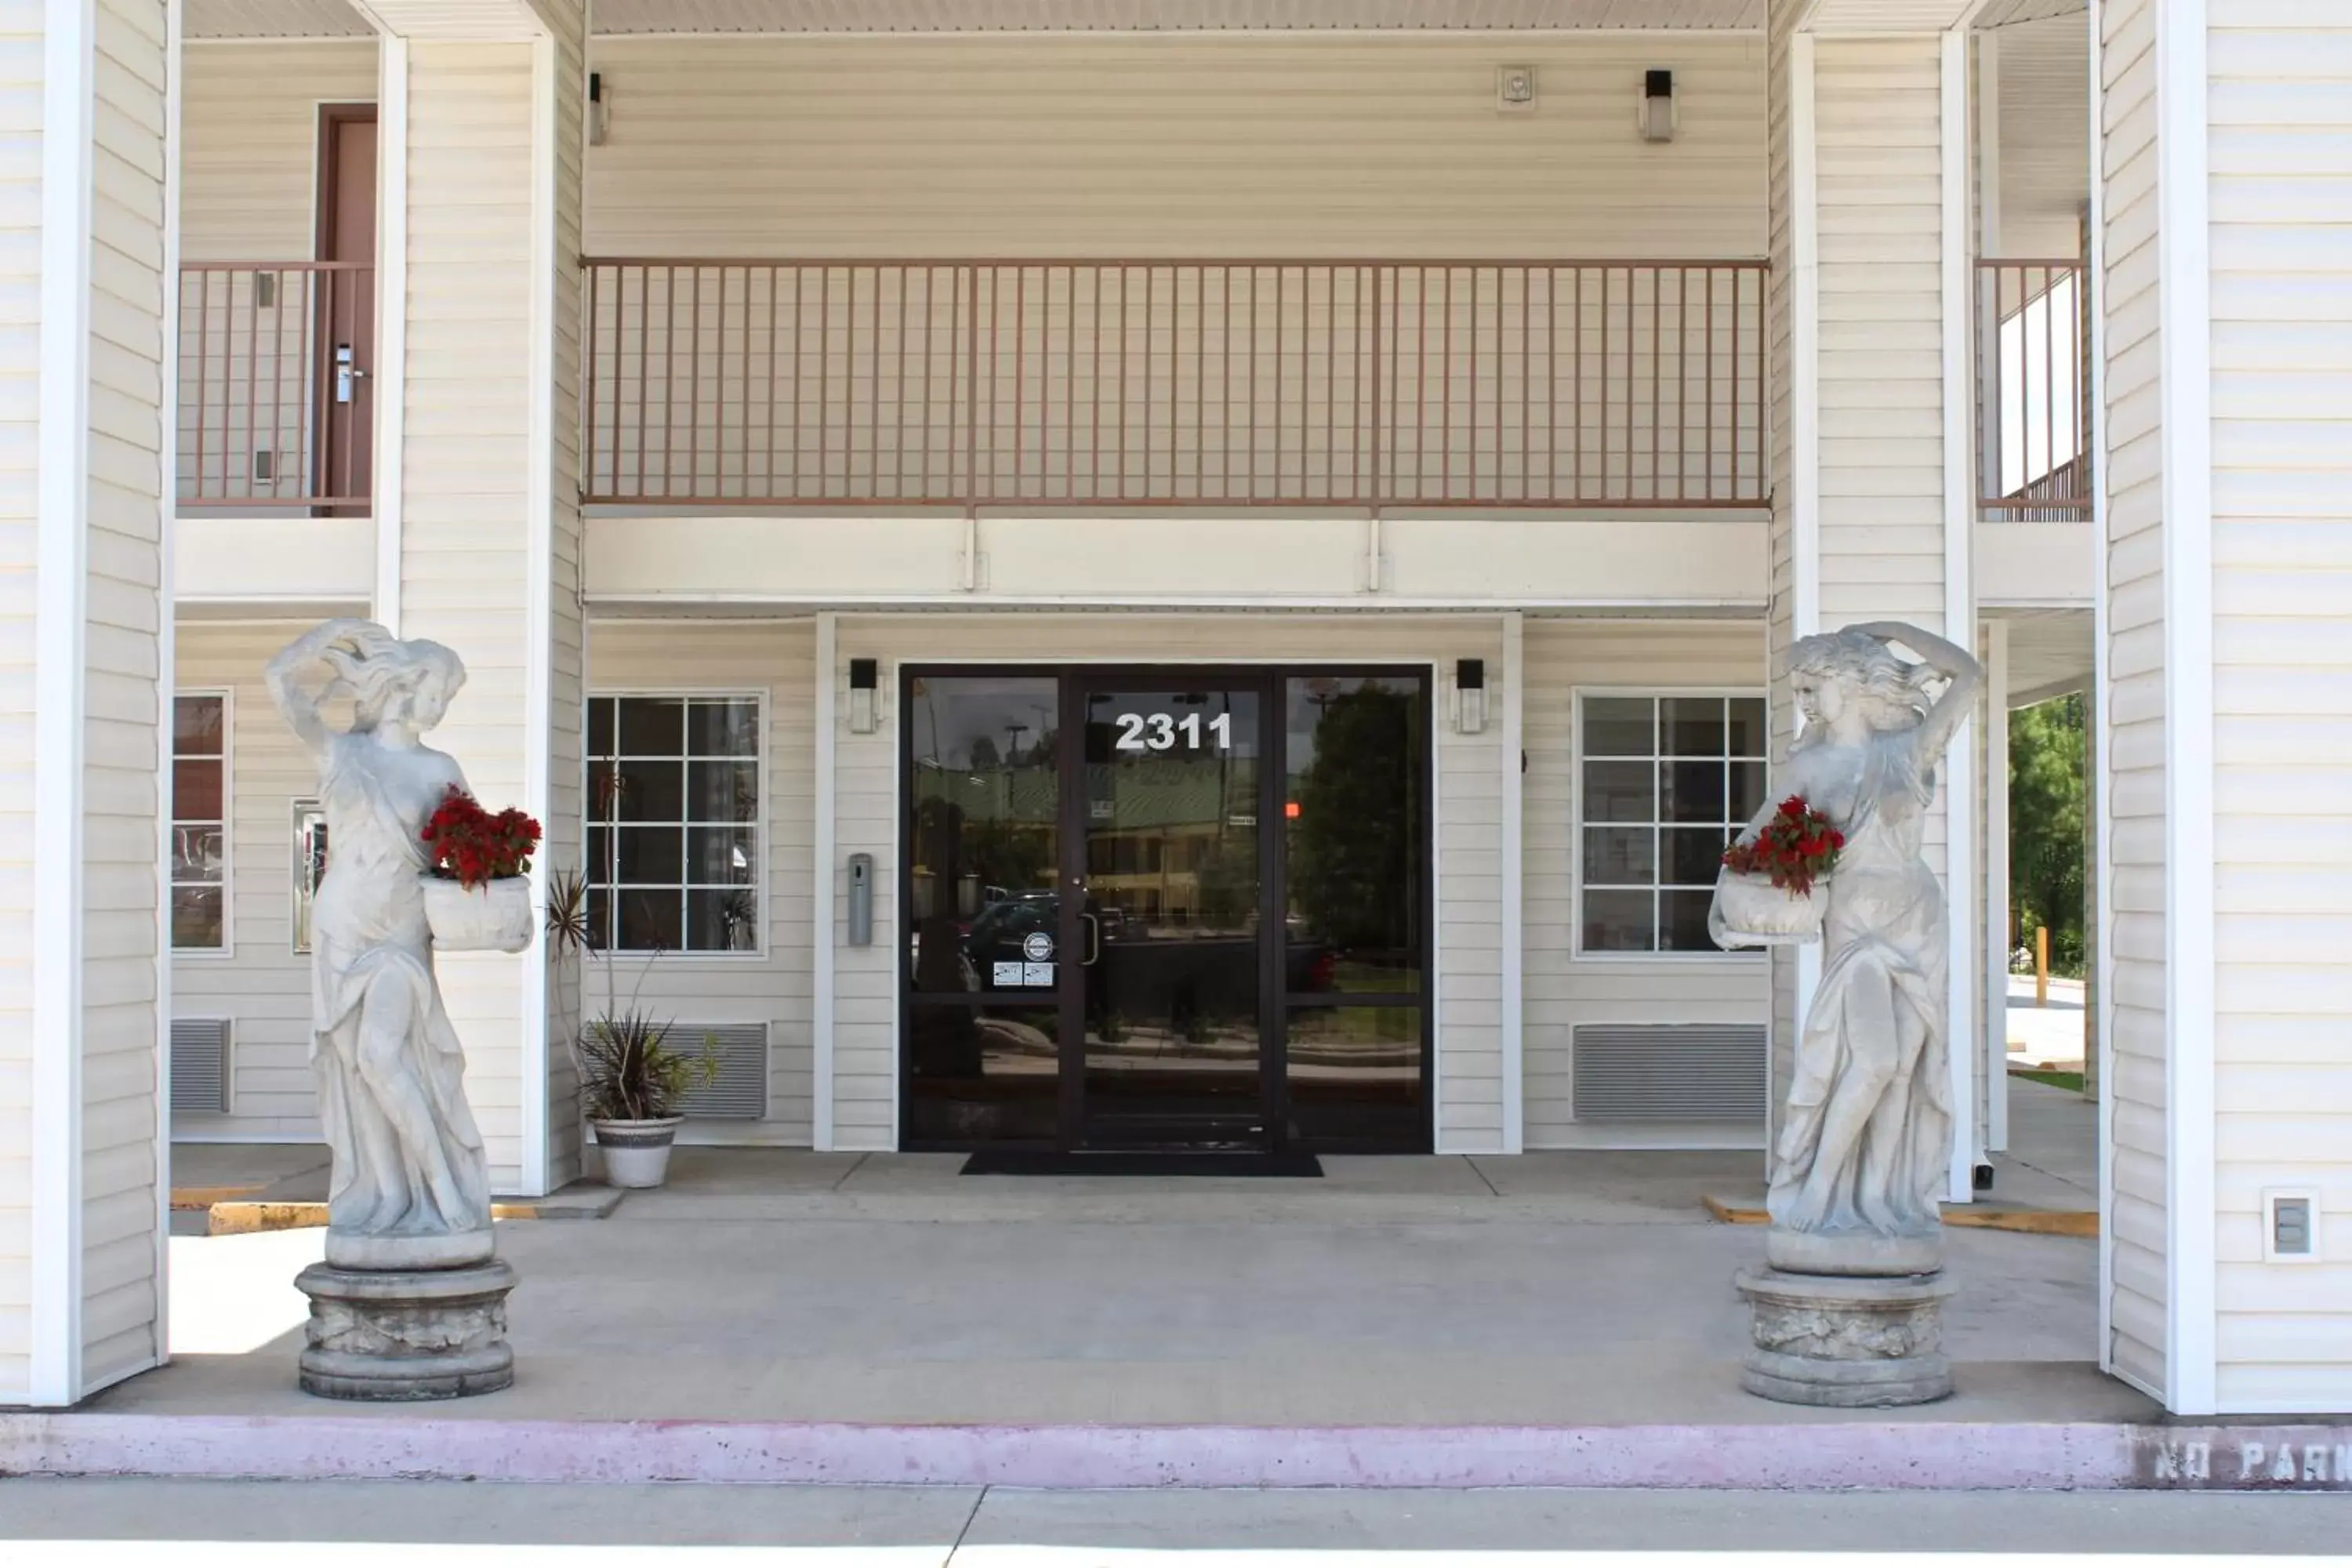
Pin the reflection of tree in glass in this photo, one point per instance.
(1227, 874)
(1353, 841)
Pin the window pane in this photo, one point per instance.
(1748, 781)
(650, 919)
(1619, 792)
(651, 792)
(728, 855)
(1692, 791)
(1694, 726)
(1693, 854)
(1355, 1076)
(1618, 922)
(983, 834)
(1619, 727)
(197, 791)
(1355, 828)
(1748, 735)
(1618, 856)
(723, 729)
(981, 1075)
(1684, 928)
(196, 727)
(599, 848)
(600, 918)
(651, 727)
(652, 855)
(195, 917)
(722, 920)
(196, 854)
(599, 726)
(722, 792)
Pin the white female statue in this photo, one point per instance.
(411, 1185)
(1863, 1153)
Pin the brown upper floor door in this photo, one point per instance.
(345, 304)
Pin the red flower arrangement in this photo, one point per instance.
(473, 846)
(1796, 848)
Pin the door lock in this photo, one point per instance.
(347, 372)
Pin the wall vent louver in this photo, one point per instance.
(200, 1067)
(739, 1092)
(1670, 1072)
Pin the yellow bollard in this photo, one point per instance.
(2042, 966)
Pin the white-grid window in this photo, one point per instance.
(674, 847)
(199, 823)
(1663, 783)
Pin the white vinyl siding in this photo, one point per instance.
(250, 143)
(1564, 989)
(2132, 555)
(261, 985)
(1248, 146)
(1468, 823)
(123, 1316)
(2280, 141)
(774, 658)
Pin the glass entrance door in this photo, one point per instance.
(1161, 908)
(1169, 930)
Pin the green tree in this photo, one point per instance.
(2046, 805)
(1355, 842)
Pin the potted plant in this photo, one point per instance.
(631, 1082)
(1773, 889)
(477, 881)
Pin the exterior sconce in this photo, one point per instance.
(1470, 695)
(599, 117)
(1657, 116)
(864, 697)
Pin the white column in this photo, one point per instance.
(1514, 938)
(1875, 390)
(1996, 886)
(82, 641)
(480, 170)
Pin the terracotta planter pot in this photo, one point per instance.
(636, 1153)
(494, 916)
(1750, 912)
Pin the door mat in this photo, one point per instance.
(1138, 1163)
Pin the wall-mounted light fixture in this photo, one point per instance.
(1657, 115)
(865, 699)
(1470, 695)
(599, 120)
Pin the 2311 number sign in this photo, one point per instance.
(1164, 732)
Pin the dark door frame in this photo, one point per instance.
(325, 444)
(1275, 1003)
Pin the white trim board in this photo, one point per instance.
(1959, 607)
(2185, 394)
(68, 75)
(387, 464)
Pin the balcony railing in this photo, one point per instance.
(2032, 391)
(1175, 384)
(268, 419)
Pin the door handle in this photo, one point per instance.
(1094, 940)
(347, 372)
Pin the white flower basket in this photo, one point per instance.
(495, 917)
(1750, 912)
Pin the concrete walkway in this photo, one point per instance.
(997, 1527)
(783, 1285)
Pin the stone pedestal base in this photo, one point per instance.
(397, 1334)
(1845, 1341)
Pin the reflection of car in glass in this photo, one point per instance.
(997, 931)
(1156, 963)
